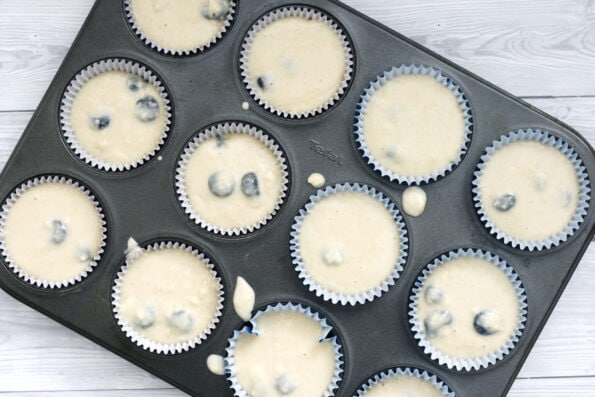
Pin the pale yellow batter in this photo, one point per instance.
(216, 364)
(180, 25)
(243, 299)
(118, 118)
(413, 126)
(404, 386)
(286, 358)
(414, 201)
(52, 232)
(297, 65)
(169, 296)
(233, 181)
(468, 308)
(349, 243)
(529, 190)
(316, 180)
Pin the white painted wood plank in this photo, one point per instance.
(561, 387)
(528, 47)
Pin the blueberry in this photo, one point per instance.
(250, 185)
(333, 256)
(262, 83)
(222, 183)
(145, 317)
(505, 202)
(487, 322)
(84, 254)
(391, 153)
(101, 122)
(59, 231)
(436, 320)
(134, 83)
(146, 109)
(181, 320)
(433, 295)
(566, 198)
(220, 141)
(216, 9)
(284, 385)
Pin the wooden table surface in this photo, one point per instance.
(542, 51)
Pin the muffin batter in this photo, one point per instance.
(169, 296)
(118, 118)
(233, 181)
(52, 232)
(529, 190)
(468, 308)
(180, 25)
(316, 180)
(287, 357)
(243, 299)
(404, 386)
(413, 126)
(414, 201)
(296, 64)
(332, 249)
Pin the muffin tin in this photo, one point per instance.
(206, 89)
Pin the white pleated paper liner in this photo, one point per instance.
(325, 293)
(404, 372)
(583, 198)
(477, 363)
(252, 328)
(75, 85)
(6, 207)
(302, 12)
(218, 130)
(178, 52)
(445, 81)
(136, 337)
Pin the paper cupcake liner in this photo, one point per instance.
(6, 207)
(252, 328)
(477, 363)
(445, 81)
(325, 293)
(136, 337)
(168, 51)
(584, 190)
(107, 65)
(303, 12)
(404, 371)
(229, 128)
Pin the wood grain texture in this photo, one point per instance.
(575, 387)
(530, 48)
(542, 50)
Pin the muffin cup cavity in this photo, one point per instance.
(173, 52)
(583, 196)
(75, 85)
(310, 14)
(8, 204)
(252, 328)
(445, 81)
(142, 341)
(219, 130)
(404, 371)
(325, 293)
(477, 363)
